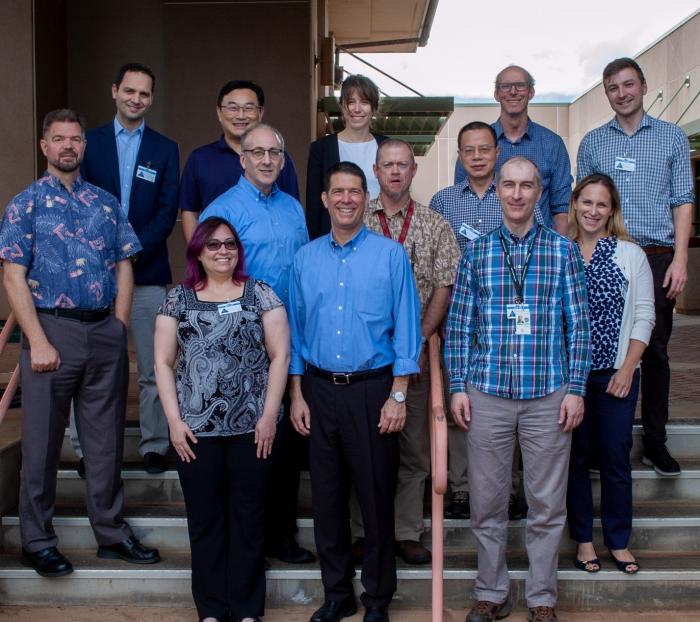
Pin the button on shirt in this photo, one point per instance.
(354, 307)
(128, 144)
(482, 345)
(271, 228)
(662, 178)
(68, 241)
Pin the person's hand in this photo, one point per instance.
(461, 410)
(392, 417)
(180, 434)
(300, 416)
(675, 278)
(571, 412)
(620, 383)
(44, 357)
(265, 431)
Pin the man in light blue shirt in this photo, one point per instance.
(354, 316)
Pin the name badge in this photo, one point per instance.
(520, 314)
(468, 232)
(147, 174)
(227, 308)
(625, 164)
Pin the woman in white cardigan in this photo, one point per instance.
(621, 301)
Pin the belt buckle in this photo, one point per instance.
(340, 378)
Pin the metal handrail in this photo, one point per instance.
(11, 388)
(438, 461)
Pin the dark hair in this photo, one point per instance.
(196, 277)
(364, 86)
(616, 222)
(617, 65)
(394, 142)
(138, 68)
(476, 125)
(241, 84)
(62, 115)
(344, 167)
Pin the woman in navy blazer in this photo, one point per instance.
(359, 102)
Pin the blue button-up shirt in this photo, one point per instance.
(128, 144)
(354, 307)
(547, 150)
(482, 345)
(213, 169)
(271, 228)
(660, 181)
(68, 241)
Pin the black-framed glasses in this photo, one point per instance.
(520, 87)
(259, 153)
(215, 245)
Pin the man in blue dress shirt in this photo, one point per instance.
(355, 321)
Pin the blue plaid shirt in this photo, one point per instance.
(662, 178)
(482, 346)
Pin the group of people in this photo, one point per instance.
(276, 352)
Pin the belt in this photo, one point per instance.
(339, 377)
(84, 315)
(653, 249)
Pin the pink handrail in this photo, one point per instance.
(438, 460)
(11, 388)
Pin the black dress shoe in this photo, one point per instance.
(376, 614)
(129, 550)
(334, 610)
(81, 468)
(48, 562)
(154, 463)
(289, 551)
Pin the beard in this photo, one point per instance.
(64, 165)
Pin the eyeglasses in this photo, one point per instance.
(215, 245)
(259, 153)
(249, 110)
(506, 87)
(388, 166)
(470, 152)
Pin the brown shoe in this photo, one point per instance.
(486, 611)
(413, 552)
(541, 614)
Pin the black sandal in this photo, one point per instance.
(586, 566)
(625, 566)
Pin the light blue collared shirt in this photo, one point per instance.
(271, 228)
(128, 144)
(354, 307)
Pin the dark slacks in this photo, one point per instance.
(94, 374)
(224, 490)
(605, 432)
(347, 450)
(656, 374)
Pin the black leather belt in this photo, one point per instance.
(337, 377)
(84, 315)
(653, 249)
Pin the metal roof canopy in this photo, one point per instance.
(417, 120)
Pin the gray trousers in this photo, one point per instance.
(93, 373)
(545, 447)
(154, 425)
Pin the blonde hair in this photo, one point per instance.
(616, 223)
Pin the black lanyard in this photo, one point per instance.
(519, 283)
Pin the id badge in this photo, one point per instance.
(520, 314)
(227, 308)
(468, 232)
(625, 164)
(147, 174)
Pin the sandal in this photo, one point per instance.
(592, 565)
(631, 567)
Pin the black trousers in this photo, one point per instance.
(224, 491)
(347, 450)
(656, 374)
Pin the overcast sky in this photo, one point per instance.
(565, 45)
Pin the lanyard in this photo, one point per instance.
(519, 283)
(406, 223)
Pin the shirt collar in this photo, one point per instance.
(119, 128)
(224, 146)
(500, 133)
(515, 240)
(251, 190)
(358, 239)
(645, 122)
(375, 205)
(56, 183)
(465, 185)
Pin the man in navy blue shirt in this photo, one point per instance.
(214, 168)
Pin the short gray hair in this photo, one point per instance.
(521, 160)
(528, 76)
(262, 126)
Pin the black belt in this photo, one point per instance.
(653, 249)
(339, 377)
(84, 315)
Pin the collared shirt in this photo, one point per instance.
(461, 205)
(430, 245)
(271, 228)
(68, 241)
(128, 144)
(354, 307)
(213, 169)
(547, 150)
(482, 345)
(660, 181)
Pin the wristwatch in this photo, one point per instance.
(398, 396)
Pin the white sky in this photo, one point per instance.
(565, 45)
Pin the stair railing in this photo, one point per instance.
(11, 388)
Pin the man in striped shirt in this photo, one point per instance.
(518, 357)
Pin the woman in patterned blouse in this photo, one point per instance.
(621, 301)
(229, 336)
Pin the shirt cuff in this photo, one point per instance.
(458, 386)
(577, 387)
(296, 365)
(405, 367)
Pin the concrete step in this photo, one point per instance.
(663, 579)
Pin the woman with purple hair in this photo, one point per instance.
(229, 335)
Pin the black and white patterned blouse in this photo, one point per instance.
(607, 286)
(222, 367)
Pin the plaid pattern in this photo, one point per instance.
(661, 180)
(482, 347)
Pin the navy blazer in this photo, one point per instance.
(323, 153)
(152, 205)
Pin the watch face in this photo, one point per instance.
(399, 396)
